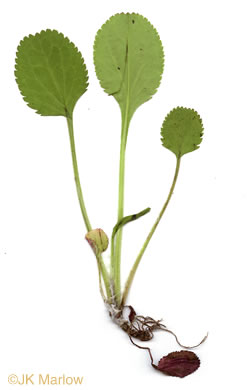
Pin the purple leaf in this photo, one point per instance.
(179, 364)
(132, 314)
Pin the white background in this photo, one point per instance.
(193, 274)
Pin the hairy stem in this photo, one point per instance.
(139, 257)
(101, 266)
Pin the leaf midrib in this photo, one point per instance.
(126, 115)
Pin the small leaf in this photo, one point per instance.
(129, 60)
(98, 240)
(182, 131)
(132, 313)
(50, 73)
(127, 219)
(179, 364)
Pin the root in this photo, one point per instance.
(141, 327)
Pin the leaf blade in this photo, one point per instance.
(127, 219)
(182, 131)
(129, 60)
(50, 73)
(179, 364)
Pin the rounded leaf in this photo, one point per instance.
(182, 131)
(179, 364)
(50, 73)
(129, 60)
(98, 240)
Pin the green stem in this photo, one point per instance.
(105, 276)
(101, 266)
(116, 254)
(139, 257)
(76, 173)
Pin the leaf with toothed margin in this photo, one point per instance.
(182, 131)
(50, 73)
(179, 364)
(129, 60)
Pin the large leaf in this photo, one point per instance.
(50, 73)
(129, 60)
(182, 131)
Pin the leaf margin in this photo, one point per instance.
(68, 42)
(161, 45)
(167, 117)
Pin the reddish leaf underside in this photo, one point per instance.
(132, 314)
(179, 364)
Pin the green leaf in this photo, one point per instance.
(50, 73)
(129, 60)
(127, 219)
(182, 131)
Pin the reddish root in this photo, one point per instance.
(142, 327)
(179, 363)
